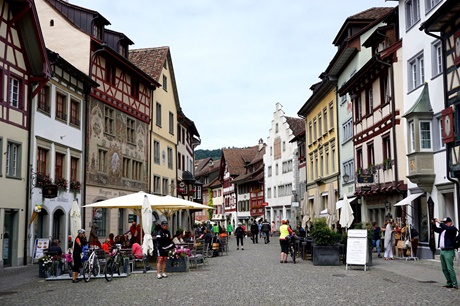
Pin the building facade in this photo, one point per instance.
(24, 69)
(280, 172)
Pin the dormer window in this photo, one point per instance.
(97, 31)
(123, 50)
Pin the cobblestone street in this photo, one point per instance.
(253, 276)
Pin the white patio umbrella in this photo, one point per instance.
(346, 213)
(317, 204)
(331, 204)
(147, 244)
(305, 210)
(75, 219)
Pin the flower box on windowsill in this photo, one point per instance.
(180, 264)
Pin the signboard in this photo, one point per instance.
(366, 188)
(132, 218)
(49, 191)
(295, 204)
(357, 249)
(365, 178)
(41, 244)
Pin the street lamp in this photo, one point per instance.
(346, 178)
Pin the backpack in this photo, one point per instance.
(457, 242)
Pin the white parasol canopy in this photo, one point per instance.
(331, 205)
(346, 214)
(147, 244)
(75, 219)
(317, 204)
(305, 210)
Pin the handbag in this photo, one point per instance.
(407, 244)
(401, 245)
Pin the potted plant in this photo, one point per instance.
(42, 179)
(61, 183)
(178, 260)
(326, 249)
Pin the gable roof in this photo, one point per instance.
(297, 125)
(237, 158)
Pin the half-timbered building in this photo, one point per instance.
(57, 149)
(444, 27)
(24, 70)
(378, 101)
(118, 110)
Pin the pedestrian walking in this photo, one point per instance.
(229, 229)
(255, 232)
(273, 228)
(239, 234)
(447, 233)
(266, 230)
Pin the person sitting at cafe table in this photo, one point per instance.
(112, 238)
(137, 250)
(95, 243)
(178, 238)
(222, 233)
(107, 245)
(54, 249)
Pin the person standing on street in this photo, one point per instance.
(447, 233)
(273, 228)
(229, 229)
(266, 230)
(255, 232)
(164, 241)
(80, 242)
(376, 238)
(285, 231)
(239, 234)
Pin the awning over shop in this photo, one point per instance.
(339, 203)
(408, 200)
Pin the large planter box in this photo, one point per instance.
(328, 255)
(177, 265)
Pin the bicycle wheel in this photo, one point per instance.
(293, 254)
(109, 267)
(118, 265)
(96, 267)
(86, 271)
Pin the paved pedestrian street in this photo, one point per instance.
(253, 276)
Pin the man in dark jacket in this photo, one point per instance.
(447, 233)
(255, 232)
(266, 230)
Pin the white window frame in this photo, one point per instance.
(436, 58)
(349, 168)
(416, 72)
(412, 8)
(411, 136)
(430, 4)
(14, 92)
(347, 128)
(13, 159)
(422, 138)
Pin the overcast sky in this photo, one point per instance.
(235, 59)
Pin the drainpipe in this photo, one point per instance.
(29, 172)
(446, 105)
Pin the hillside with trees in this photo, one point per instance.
(214, 154)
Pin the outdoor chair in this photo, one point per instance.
(144, 261)
(223, 245)
(196, 259)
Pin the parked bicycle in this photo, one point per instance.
(114, 263)
(91, 266)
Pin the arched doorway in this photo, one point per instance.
(58, 230)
